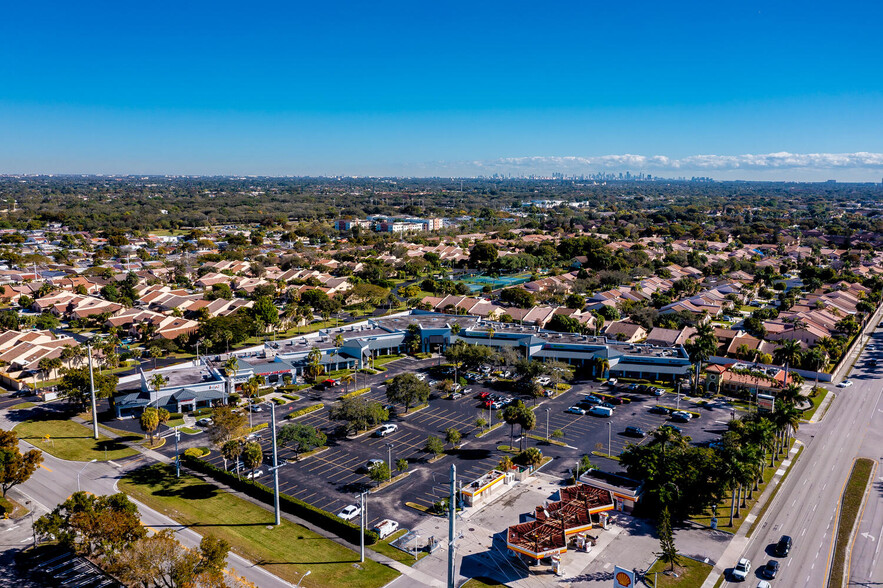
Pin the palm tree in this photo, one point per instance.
(338, 340)
(602, 364)
(347, 379)
(157, 381)
(787, 353)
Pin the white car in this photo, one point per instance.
(740, 572)
(386, 527)
(254, 474)
(764, 584)
(386, 430)
(612, 382)
(204, 422)
(845, 384)
(350, 512)
(576, 410)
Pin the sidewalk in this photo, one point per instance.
(740, 540)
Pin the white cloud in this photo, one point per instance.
(662, 163)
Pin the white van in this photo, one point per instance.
(386, 528)
(601, 411)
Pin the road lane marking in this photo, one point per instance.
(45, 468)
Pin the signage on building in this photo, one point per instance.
(766, 402)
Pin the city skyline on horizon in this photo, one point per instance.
(747, 92)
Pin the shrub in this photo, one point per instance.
(175, 415)
(291, 397)
(355, 393)
(196, 452)
(264, 391)
(304, 410)
(198, 412)
(321, 518)
(260, 427)
(278, 401)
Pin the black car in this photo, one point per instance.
(21, 394)
(672, 427)
(635, 432)
(771, 569)
(660, 410)
(783, 547)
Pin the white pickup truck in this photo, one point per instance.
(386, 527)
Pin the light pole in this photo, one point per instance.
(33, 529)
(92, 392)
(81, 471)
(548, 410)
(307, 573)
(364, 521)
(679, 395)
(389, 457)
(609, 429)
(276, 466)
(177, 456)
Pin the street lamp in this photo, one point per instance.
(81, 471)
(609, 429)
(548, 410)
(307, 573)
(276, 466)
(177, 456)
(364, 521)
(389, 457)
(33, 529)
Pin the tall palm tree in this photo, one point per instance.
(347, 379)
(338, 340)
(788, 353)
(602, 364)
(157, 381)
(230, 367)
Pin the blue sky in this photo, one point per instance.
(447, 88)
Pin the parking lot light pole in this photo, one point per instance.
(609, 429)
(389, 457)
(548, 410)
(177, 456)
(276, 466)
(364, 522)
(679, 396)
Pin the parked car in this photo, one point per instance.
(254, 474)
(205, 422)
(633, 386)
(385, 528)
(740, 572)
(771, 569)
(255, 408)
(681, 416)
(591, 399)
(632, 431)
(764, 584)
(601, 411)
(576, 410)
(386, 429)
(658, 391)
(607, 405)
(660, 410)
(350, 512)
(612, 382)
(22, 393)
(672, 427)
(845, 384)
(783, 547)
(373, 463)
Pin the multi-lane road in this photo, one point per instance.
(806, 505)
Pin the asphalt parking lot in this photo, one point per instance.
(331, 479)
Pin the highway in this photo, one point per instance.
(806, 505)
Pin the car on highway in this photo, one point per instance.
(771, 569)
(783, 547)
(350, 512)
(386, 429)
(632, 431)
(740, 572)
(845, 384)
(576, 410)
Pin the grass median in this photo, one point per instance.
(383, 547)
(850, 506)
(287, 551)
(73, 441)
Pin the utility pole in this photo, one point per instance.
(547, 422)
(452, 514)
(92, 388)
(609, 428)
(276, 465)
(389, 457)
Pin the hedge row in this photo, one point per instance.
(265, 391)
(321, 518)
(257, 428)
(304, 410)
(202, 411)
(355, 393)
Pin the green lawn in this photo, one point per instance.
(691, 574)
(287, 551)
(385, 359)
(816, 401)
(482, 583)
(175, 423)
(384, 548)
(22, 405)
(73, 441)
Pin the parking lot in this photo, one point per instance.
(331, 479)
